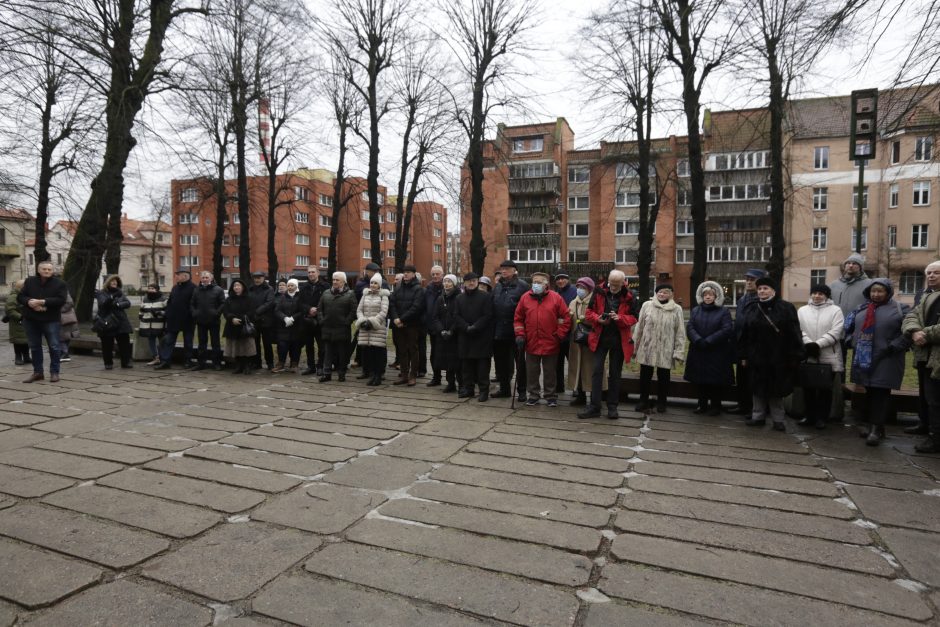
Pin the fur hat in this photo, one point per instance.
(821, 288)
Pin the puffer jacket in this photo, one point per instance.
(888, 342)
(152, 317)
(711, 340)
(374, 308)
(262, 304)
(916, 320)
(407, 303)
(543, 321)
(506, 297)
(14, 313)
(823, 324)
(336, 313)
(659, 334)
(206, 305)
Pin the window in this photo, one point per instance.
(864, 198)
(437, 233)
(533, 170)
(682, 167)
(923, 148)
(682, 198)
(366, 253)
(390, 253)
(324, 262)
(528, 144)
(737, 192)
(625, 256)
(721, 162)
(162, 280)
(326, 201)
(301, 193)
(912, 281)
(161, 260)
(236, 240)
(30, 259)
(894, 193)
(302, 218)
(189, 240)
(390, 216)
(436, 216)
(236, 219)
(579, 174)
(631, 170)
(628, 199)
(819, 238)
(58, 258)
(189, 262)
(577, 255)
(189, 194)
(366, 234)
(577, 230)
(627, 227)
(539, 254)
(159, 237)
(919, 236)
(684, 227)
(437, 248)
(864, 238)
(579, 202)
(820, 198)
(895, 152)
(684, 255)
(921, 193)
(378, 196)
(365, 215)
(821, 158)
(324, 241)
(185, 218)
(225, 262)
(817, 276)
(303, 240)
(892, 236)
(302, 260)
(326, 220)
(738, 253)
(390, 236)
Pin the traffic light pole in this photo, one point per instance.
(858, 212)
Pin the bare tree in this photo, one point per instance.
(485, 35)
(160, 210)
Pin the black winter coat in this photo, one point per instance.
(407, 303)
(310, 294)
(336, 313)
(443, 317)
(262, 305)
(207, 303)
(54, 291)
(114, 303)
(431, 293)
(711, 346)
(236, 307)
(474, 320)
(289, 307)
(505, 298)
(179, 313)
(772, 354)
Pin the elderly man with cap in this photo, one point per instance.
(310, 293)
(261, 297)
(541, 324)
(741, 378)
(406, 306)
(506, 354)
(432, 292)
(473, 319)
(179, 318)
(922, 327)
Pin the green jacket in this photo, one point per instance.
(336, 314)
(14, 312)
(914, 321)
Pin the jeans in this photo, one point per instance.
(35, 331)
(153, 344)
(613, 375)
(546, 365)
(169, 343)
(209, 332)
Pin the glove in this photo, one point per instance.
(365, 325)
(445, 334)
(288, 321)
(471, 330)
(812, 350)
(520, 342)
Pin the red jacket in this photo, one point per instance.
(543, 323)
(625, 323)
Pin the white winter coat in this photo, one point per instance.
(823, 324)
(374, 308)
(659, 334)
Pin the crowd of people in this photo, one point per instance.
(527, 333)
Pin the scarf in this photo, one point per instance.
(864, 343)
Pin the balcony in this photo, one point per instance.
(542, 214)
(739, 238)
(534, 240)
(9, 250)
(540, 185)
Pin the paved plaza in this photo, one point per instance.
(174, 498)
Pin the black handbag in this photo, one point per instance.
(104, 324)
(248, 329)
(581, 332)
(814, 376)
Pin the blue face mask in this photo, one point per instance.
(537, 288)
(582, 293)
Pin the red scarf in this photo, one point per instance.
(869, 322)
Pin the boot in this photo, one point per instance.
(200, 365)
(278, 367)
(580, 400)
(590, 412)
(248, 366)
(930, 445)
(450, 389)
(502, 392)
(643, 406)
(376, 380)
(875, 436)
(466, 392)
(484, 394)
(701, 408)
(239, 366)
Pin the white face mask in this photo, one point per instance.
(582, 292)
(537, 288)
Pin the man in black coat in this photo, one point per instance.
(206, 306)
(261, 299)
(406, 311)
(179, 317)
(474, 322)
(310, 293)
(506, 355)
(431, 294)
(42, 298)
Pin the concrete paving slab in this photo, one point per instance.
(78, 535)
(20, 438)
(880, 475)
(466, 411)
(742, 465)
(185, 490)
(317, 437)
(508, 556)
(233, 561)
(8, 614)
(379, 472)
(130, 438)
(287, 447)
(158, 426)
(534, 486)
(454, 428)
(199, 422)
(733, 452)
(92, 421)
(240, 414)
(101, 450)
(568, 458)
(319, 508)
(588, 437)
(35, 578)
(464, 588)
(625, 428)
(251, 478)
(539, 469)
(845, 444)
(585, 448)
(917, 551)
(260, 459)
(137, 510)
(332, 427)
(390, 414)
(30, 484)
(17, 419)
(361, 421)
(58, 463)
(759, 440)
(46, 411)
(735, 478)
(424, 447)
(606, 614)
(897, 508)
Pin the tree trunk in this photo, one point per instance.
(405, 235)
(644, 260)
(272, 225)
(338, 202)
(690, 102)
(240, 129)
(475, 165)
(401, 243)
(373, 177)
(775, 265)
(221, 214)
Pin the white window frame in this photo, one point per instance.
(685, 227)
(921, 194)
(189, 194)
(685, 255)
(627, 227)
(325, 241)
(189, 240)
(324, 262)
(574, 202)
(820, 199)
(366, 253)
(815, 278)
(528, 144)
(683, 168)
(302, 239)
(301, 261)
(865, 198)
(894, 195)
(438, 233)
(326, 220)
(325, 200)
(923, 148)
(185, 218)
(892, 236)
(575, 230)
(436, 216)
(864, 238)
(301, 193)
(894, 156)
(821, 157)
(579, 174)
(301, 217)
(820, 238)
(920, 236)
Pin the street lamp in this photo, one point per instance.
(863, 145)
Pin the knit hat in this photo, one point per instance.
(854, 258)
(663, 286)
(766, 280)
(376, 278)
(587, 282)
(450, 277)
(821, 288)
(293, 282)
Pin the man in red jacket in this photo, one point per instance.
(541, 324)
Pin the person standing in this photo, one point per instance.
(567, 291)
(407, 312)
(152, 320)
(371, 324)
(289, 313)
(17, 332)
(742, 379)
(207, 307)
(878, 348)
(822, 323)
(770, 346)
(42, 298)
(337, 311)
(659, 338)
(612, 315)
(310, 293)
(473, 319)
(922, 327)
(711, 348)
(541, 324)
(179, 318)
(443, 326)
(261, 295)
(431, 293)
(848, 291)
(580, 357)
(69, 329)
(506, 354)
(112, 322)
(239, 327)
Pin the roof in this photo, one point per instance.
(133, 230)
(740, 129)
(15, 214)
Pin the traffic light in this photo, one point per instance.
(864, 125)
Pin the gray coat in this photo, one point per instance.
(849, 295)
(888, 344)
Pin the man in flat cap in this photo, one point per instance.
(473, 318)
(179, 317)
(406, 311)
(506, 355)
(261, 299)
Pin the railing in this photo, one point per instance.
(534, 215)
(534, 240)
(541, 185)
(739, 238)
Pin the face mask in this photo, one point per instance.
(582, 293)
(537, 288)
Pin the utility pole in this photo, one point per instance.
(863, 141)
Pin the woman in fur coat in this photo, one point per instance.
(711, 347)
(659, 337)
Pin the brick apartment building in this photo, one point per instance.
(303, 226)
(546, 204)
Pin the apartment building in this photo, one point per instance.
(17, 228)
(303, 222)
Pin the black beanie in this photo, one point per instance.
(822, 288)
(766, 281)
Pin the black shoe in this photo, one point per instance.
(216, 366)
(191, 365)
(553, 402)
(484, 395)
(341, 377)
(465, 393)
(325, 378)
(502, 393)
(109, 366)
(19, 361)
(863, 431)
(580, 400)
(714, 411)
(450, 389)
(364, 375)
(661, 407)
(875, 436)
(929, 445)
(700, 410)
(433, 383)
(522, 398)
(755, 422)
(199, 366)
(779, 426)
(642, 407)
(126, 366)
(308, 371)
(918, 430)
(612, 413)
(163, 365)
(589, 412)
(240, 368)
(805, 421)
(820, 424)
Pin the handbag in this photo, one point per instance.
(814, 376)
(104, 324)
(581, 332)
(248, 329)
